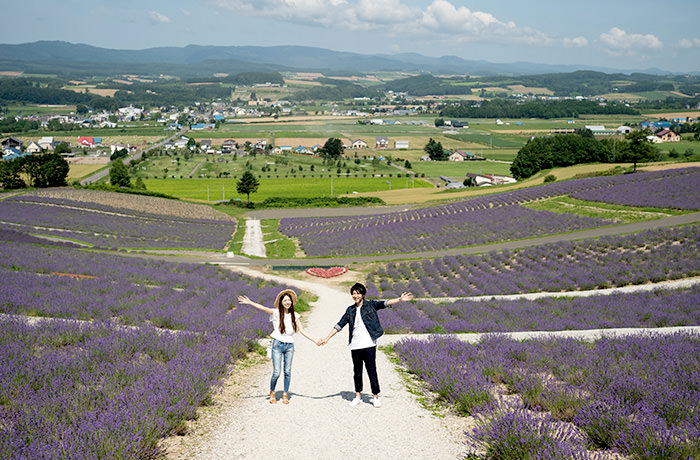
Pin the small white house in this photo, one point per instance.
(623, 130)
(33, 147)
(401, 145)
(359, 144)
(382, 142)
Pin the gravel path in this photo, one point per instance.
(253, 244)
(318, 423)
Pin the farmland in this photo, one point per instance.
(115, 342)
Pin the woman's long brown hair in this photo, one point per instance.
(280, 309)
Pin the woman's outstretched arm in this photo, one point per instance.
(245, 300)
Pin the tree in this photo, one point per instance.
(638, 148)
(62, 147)
(119, 175)
(435, 151)
(49, 170)
(333, 148)
(10, 171)
(247, 184)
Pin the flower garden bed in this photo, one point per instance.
(564, 398)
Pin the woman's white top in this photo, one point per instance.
(288, 335)
(360, 335)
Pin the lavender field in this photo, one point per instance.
(638, 396)
(611, 261)
(659, 308)
(107, 226)
(98, 379)
(489, 218)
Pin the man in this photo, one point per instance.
(365, 329)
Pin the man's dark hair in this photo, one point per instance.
(359, 287)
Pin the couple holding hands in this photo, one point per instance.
(365, 329)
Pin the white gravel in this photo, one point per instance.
(318, 423)
(253, 244)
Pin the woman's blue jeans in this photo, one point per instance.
(281, 350)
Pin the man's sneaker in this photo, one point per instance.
(355, 401)
(376, 402)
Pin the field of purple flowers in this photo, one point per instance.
(489, 218)
(109, 227)
(564, 398)
(658, 308)
(611, 261)
(112, 385)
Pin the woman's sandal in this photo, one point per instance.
(272, 397)
(285, 398)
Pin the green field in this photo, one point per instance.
(225, 189)
(458, 169)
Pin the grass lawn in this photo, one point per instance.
(458, 169)
(78, 171)
(225, 189)
(622, 214)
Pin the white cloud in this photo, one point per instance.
(185, 12)
(440, 21)
(157, 18)
(576, 42)
(687, 43)
(620, 41)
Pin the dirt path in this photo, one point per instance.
(318, 423)
(253, 244)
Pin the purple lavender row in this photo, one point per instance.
(77, 391)
(21, 237)
(611, 261)
(679, 192)
(660, 308)
(439, 226)
(203, 309)
(132, 231)
(403, 233)
(46, 260)
(65, 202)
(116, 241)
(635, 395)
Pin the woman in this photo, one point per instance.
(365, 329)
(285, 322)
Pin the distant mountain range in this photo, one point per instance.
(195, 60)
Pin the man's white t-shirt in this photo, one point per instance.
(288, 335)
(360, 334)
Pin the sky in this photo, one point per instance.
(616, 34)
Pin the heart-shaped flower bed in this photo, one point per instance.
(326, 272)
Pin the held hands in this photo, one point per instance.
(320, 342)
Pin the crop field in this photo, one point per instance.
(103, 355)
(483, 219)
(564, 398)
(104, 382)
(661, 308)
(78, 171)
(651, 256)
(110, 226)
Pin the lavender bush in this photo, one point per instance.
(112, 385)
(112, 227)
(649, 256)
(637, 395)
(80, 391)
(483, 219)
(658, 308)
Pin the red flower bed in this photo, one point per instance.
(326, 272)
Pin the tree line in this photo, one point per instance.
(562, 150)
(49, 170)
(504, 108)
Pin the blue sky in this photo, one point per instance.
(620, 34)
